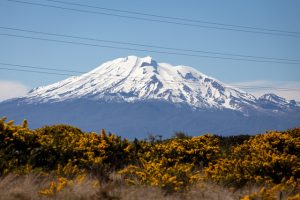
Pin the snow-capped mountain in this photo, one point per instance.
(272, 101)
(134, 79)
(135, 96)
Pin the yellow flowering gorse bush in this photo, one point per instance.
(174, 164)
(270, 160)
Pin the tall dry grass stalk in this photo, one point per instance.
(28, 187)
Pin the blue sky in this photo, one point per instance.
(272, 14)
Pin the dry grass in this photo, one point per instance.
(27, 187)
(20, 187)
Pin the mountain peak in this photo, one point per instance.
(127, 63)
(273, 101)
(146, 59)
(273, 98)
(133, 79)
(143, 61)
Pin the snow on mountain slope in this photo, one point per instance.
(133, 79)
(273, 101)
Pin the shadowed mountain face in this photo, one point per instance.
(141, 118)
(135, 96)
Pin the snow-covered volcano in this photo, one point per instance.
(135, 96)
(134, 79)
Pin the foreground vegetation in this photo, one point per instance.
(62, 162)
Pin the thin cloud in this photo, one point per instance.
(12, 89)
